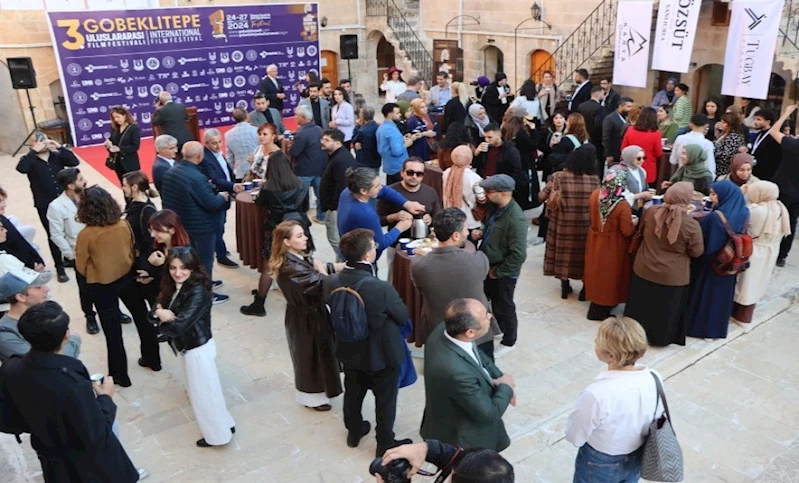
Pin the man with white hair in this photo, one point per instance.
(272, 88)
(187, 192)
(171, 117)
(307, 151)
(220, 174)
(166, 148)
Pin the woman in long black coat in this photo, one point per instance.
(124, 142)
(308, 331)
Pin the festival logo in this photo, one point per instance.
(138, 65)
(237, 56)
(224, 57)
(145, 117)
(212, 57)
(217, 20)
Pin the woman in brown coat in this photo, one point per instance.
(308, 331)
(569, 218)
(662, 268)
(607, 257)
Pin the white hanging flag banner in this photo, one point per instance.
(751, 41)
(633, 25)
(674, 34)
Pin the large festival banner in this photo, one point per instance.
(674, 35)
(210, 57)
(633, 25)
(751, 42)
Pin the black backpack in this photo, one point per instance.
(348, 313)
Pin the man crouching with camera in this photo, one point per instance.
(399, 464)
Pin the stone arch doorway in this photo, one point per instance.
(540, 60)
(330, 66)
(776, 93)
(708, 83)
(11, 118)
(493, 61)
(385, 57)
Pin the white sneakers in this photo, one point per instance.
(503, 350)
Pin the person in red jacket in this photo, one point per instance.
(645, 133)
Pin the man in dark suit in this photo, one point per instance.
(613, 131)
(221, 176)
(767, 151)
(42, 164)
(166, 148)
(465, 393)
(49, 395)
(188, 193)
(365, 140)
(272, 88)
(172, 117)
(308, 153)
(593, 113)
(334, 180)
(583, 91)
(373, 364)
(433, 275)
(610, 98)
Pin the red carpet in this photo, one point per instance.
(95, 155)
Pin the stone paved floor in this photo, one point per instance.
(734, 401)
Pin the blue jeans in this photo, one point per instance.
(314, 182)
(205, 244)
(592, 466)
(221, 248)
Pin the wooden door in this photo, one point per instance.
(541, 60)
(330, 66)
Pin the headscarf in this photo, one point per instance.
(695, 168)
(731, 203)
(483, 81)
(670, 94)
(668, 218)
(403, 105)
(453, 188)
(765, 194)
(629, 154)
(611, 192)
(416, 105)
(499, 76)
(737, 161)
(474, 112)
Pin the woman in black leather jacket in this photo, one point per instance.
(308, 331)
(285, 197)
(184, 313)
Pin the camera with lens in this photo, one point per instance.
(394, 472)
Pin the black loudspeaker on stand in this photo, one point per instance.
(23, 76)
(348, 46)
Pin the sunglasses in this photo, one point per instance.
(640, 158)
(410, 172)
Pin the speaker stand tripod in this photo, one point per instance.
(35, 124)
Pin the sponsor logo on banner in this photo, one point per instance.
(675, 32)
(633, 25)
(751, 42)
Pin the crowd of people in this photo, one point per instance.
(671, 259)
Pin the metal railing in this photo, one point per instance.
(789, 28)
(596, 32)
(409, 42)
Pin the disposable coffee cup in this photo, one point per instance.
(404, 243)
(256, 183)
(97, 379)
(409, 251)
(287, 135)
(248, 186)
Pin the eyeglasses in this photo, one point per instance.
(410, 172)
(376, 246)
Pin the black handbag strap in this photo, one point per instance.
(661, 396)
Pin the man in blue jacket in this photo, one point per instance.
(221, 176)
(391, 144)
(187, 192)
(365, 139)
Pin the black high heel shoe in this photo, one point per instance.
(581, 297)
(565, 289)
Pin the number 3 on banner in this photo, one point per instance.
(72, 31)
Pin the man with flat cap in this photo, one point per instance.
(504, 241)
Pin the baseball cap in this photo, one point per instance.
(16, 281)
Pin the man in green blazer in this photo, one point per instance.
(465, 393)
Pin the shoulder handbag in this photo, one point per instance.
(662, 458)
(555, 198)
(638, 237)
(733, 258)
(113, 159)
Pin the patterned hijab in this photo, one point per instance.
(765, 194)
(453, 189)
(611, 193)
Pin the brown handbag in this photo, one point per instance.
(554, 200)
(638, 237)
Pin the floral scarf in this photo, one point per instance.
(611, 193)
